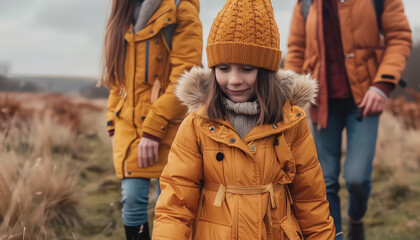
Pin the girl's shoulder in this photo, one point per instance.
(199, 120)
(294, 124)
(194, 120)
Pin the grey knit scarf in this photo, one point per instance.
(242, 116)
(144, 11)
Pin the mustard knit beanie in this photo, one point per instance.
(245, 32)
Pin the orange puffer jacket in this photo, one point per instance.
(148, 60)
(268, 185)
(368, 57)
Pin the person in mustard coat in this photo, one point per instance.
(243, 164)
(148, 45)
(357, 55)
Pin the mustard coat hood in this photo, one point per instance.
(193, 88)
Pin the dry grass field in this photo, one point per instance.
(57, 179)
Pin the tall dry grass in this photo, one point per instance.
(40, 196)
(397, 156)
(408, 112)
(37, 198)
(398, 147)
(394, 209)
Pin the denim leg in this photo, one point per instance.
(328, 145)
(157, 189)
(361, 143)
(135, 198)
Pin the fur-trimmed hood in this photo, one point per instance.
(193, 88)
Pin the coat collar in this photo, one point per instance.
(292, 116)
(223, 132)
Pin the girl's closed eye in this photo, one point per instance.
(247, 69)
(224, 68)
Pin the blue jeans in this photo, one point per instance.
(135, 198)
(361, 142)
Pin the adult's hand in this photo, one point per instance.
(148, 153)
(373, 103)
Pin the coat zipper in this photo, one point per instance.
(146, 77)
(125, 171)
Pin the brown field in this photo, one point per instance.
(407, 112)
(57, 179)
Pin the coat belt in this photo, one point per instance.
(247, 190)
(242, 190)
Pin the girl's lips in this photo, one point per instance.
(236, 92)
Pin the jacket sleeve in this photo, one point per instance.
(180, 183)
(186, 52)
(113, 99)
(308, 191)
(398, 42)
(296, 44)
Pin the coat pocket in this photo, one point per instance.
(119, 106)
(208, 230)
(287, 230)
(286, 160)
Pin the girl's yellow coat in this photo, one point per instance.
(148, 59)
(207, 154)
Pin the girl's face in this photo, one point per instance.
(237, 81)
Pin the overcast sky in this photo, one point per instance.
(64, 37)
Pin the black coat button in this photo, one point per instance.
(220, 156)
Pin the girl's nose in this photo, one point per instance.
(235, 78)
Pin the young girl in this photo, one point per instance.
(148, 44)
(243, 164)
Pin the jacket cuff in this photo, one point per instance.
(110, 125)
(155, 125)
(377, 90)
(150, 136)
(385, 87)
(111, 132)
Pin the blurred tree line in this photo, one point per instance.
(86, 89)
(410, 76)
